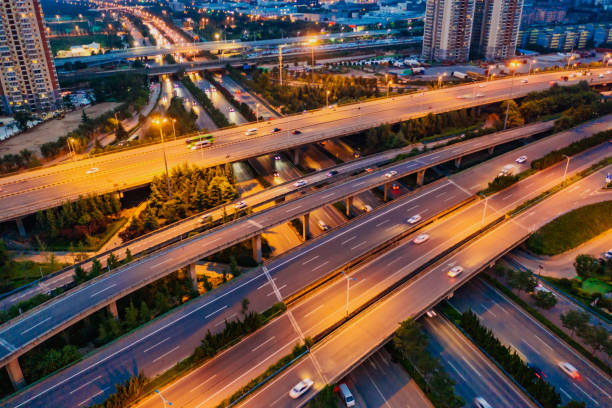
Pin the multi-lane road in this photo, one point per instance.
(28, 192)
(330, 359)
(535, 344)
(442, 196)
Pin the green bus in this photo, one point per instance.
(196, 142)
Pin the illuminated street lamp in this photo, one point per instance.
(348, 280)
(71, 148)
(533, 61)
(327, 98)
(160, 122)
(513, 65)
(388, 84)
(312, 42)
(440, 79)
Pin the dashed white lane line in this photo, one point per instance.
(348, 240)
(598, 387)
(310, 260)
(202, 383)
(85, 385)
(264, 343)
(457, 371)
(382, 223)
(314, 310)
(165, 354)
(358, 245)
(297, 207)
(227, 319)
(155, 345)
(255, 223)
(105, 289)
(582, 391)
(92, 397)
(215, 312)
(565, 393)
(161, 263)
(541, 341)
(320, 266)
(36, 325)
(274, 291)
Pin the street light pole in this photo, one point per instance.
(327, 98)
(566, 166)
(280, 63)
(164, 401)
(484, 211)
(161, 134)
(257, 112)
(348, 279)
(173, 131)
(513, 65)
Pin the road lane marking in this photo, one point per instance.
(314, 310)
(358, 245)
(393, 261)
(507, 197)
(264, 343)
(36, 325)
(348, 240)
(441, 194)
(310, 260)
(156, 344)
(378, 390)
(7, 345)
(202, 383)
(598, 387)
(227, 319)
(255, 223)
(165, 354)
(277, 400)
(457, 371)
(582, 391)
(320, 266)
(382, 223)
(85, 385)
(565, 392)
(327, 195)
(541, 341)
(449, 198)
(161, 263)
(294, 208)
(472, 367)
(276, 291)
(93, 396)
(106, 288)
(215, 312)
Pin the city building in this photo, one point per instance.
(496, 28)
(448, 30)
(27, 78)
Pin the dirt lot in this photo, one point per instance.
(51, 130)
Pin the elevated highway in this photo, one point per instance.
(27, 192)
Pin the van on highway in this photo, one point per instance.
(251, 131)
(507, 170)
(346, 395)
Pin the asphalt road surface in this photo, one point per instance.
(535, 344)
(21, 333)
(303, 255)
(328, 360)
(475, 375)
(31, 191)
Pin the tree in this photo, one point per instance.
(514, 114)
(96, 268)
(22, 118)
(84, 117)
(120, 133)
(597, 337)
(112, 262)
(545, 300)
(145, 313)
(80, 275)
(128, 255)
(409, 340)
(245, 306)
(522, 280)
(131, 316)
(575, 321)
(5, 259)
(206, 283)
(233, 265)
(586, 265)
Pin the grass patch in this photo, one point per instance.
(19, 273)
(92, 244)
(549, 325)
(572, 229)
(64, 43)
(594, 285)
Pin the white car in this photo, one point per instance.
(525, 81)
(240, 205)
(481, 85)
(608, 255)
(414, 219)
(455, 271)
(92, 170)
(250, 132)
(431, 313)
(521, 159)
(569, 369)
(390, 174)
(301, 388)
(300, 183)
(420, 238)
(480, 402)
(205, 218)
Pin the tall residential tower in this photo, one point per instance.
(27, 75)
(496, 28)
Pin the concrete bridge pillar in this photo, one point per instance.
(15, 374)
(386, 192)
(21, 228)
(349, 204)
(256, 242)
(296, 156)
(420, 177)
(112, 308)
(193, 275)
(306, 226)
(458, 162)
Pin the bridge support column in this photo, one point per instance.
(490, 150)
(306, 226)
(256, 242)
(386, 192)
(458, 162)
(420, 177)
(194, 276)
(15, 374)
(112, 308)
(21, 228)
(349, 204)
(296, 156)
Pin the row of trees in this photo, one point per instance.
(581, 145)
(525, 281)
(539, 389)
(596, 337)
(410, 342)
(125, 393)
(292, 99)
(194, 189)
(74, 221)
(215, 114)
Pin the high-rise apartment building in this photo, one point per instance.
(27, 75)
(496, 28)
(484, 28)
(448, 30)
